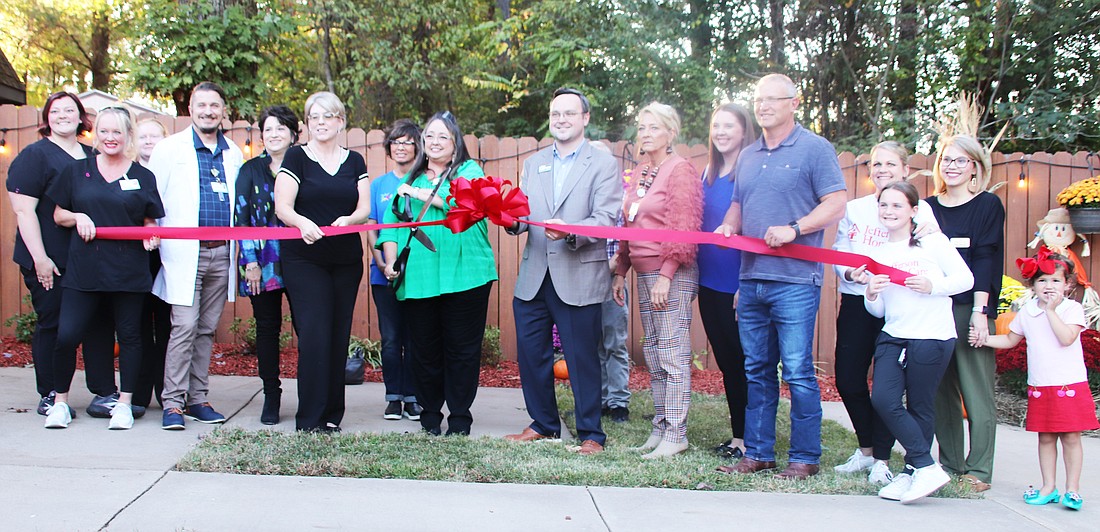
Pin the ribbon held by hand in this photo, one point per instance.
(489, 197)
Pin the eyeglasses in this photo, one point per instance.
(771, 100)
(568, 114)
(326, 116)
(434, 138)
(403, 142)
(961, 162)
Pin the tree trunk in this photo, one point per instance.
(905, 77)
(777, 51)
(99, 51)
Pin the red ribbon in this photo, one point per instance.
(237, 233)
(485, 198)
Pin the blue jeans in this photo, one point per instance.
(776, 321)
(614, 357)
(396, 363)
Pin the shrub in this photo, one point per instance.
(491, 355)
(1012, 364)
(24, 322)
(244, 331)
(372, 350)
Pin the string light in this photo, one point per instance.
(248, 146)
(3, 141)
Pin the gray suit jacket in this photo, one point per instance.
(591, 195)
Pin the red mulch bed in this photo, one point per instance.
(229, 360)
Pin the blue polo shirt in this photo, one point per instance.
(214, 208)
(777, 186)
(382, 192)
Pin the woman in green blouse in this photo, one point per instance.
(444, 294)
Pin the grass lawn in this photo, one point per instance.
(423, 457)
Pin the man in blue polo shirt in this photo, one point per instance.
(789, 189)
(196, 171)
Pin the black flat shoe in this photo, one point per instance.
(270, 413)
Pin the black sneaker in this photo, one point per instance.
(102, 405)
(45, 403)
(727, 450)
(393, 411)
(605, 411)
(620, 414)
(412, 411)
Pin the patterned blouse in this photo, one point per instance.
(255, 207)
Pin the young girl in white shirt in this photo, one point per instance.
(916, 343)
(1059, 402)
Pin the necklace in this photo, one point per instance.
(646, 180)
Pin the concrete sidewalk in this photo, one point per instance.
(89, 478)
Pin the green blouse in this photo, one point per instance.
(460, 262)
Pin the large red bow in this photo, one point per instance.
(1042, 261)
(485, 198)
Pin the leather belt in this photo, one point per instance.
(211, 244)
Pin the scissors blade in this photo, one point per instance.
(423, 239)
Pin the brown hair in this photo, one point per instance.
(85, 120)
(715, 160)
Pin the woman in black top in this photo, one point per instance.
(974, 221)
(322, 184)
(109, 190)
(41, 247)
(259, 268)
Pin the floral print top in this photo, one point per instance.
(255, 207)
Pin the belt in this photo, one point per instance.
(211, 244)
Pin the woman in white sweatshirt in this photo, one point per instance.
(918, 339)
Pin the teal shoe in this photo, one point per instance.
(1032, 496)
(1073, 501)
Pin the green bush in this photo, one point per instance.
(244, 331)
(372, 350)
(24, 322)
(491, 355)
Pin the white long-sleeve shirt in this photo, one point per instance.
(911, 314)
(860, 231)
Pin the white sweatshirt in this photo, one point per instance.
(860, 231)
(913, 315)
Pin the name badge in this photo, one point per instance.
(220, 187)
(633, 212)
(545, 168)
(129, 184)
(961, 242)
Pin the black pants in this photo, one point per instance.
(445, 335)
(720, 323)
(856, 333)
(99, 371)
(267, 308)
(84, 312)
(322, 297)
(156, 327)
(918, 377)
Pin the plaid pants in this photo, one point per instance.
(667, 349)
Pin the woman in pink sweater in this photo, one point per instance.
(664, 193)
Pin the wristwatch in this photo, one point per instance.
(797, 229)
(571, 239)
(982, 309)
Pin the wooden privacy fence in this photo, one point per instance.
(1033, 181)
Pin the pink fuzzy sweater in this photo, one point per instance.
(674, 201)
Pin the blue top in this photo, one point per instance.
(778, 186)
(382, 191)
(718, 266)
(213, 204)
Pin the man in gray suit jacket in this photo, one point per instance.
(563, 277)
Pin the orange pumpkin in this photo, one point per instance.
(1003, 320)
(116, 349)
(560, 370)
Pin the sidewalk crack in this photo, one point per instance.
(596, 505)
(135, 499)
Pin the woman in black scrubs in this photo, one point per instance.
(42, 248)
(322, 184)
(109, 190)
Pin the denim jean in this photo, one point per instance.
(396, 362)
(614, 356)
(776, 321)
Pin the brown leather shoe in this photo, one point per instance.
(796, 471)
(589, 447)
(747, 466)
(976, 485)
(528, 434)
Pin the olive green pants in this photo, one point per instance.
(971, 374)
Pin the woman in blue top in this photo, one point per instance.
(731, 129)
(261, 274)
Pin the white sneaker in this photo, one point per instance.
(880, 474)
(897, 487)
(925, 482)
(122, 417)
(58, 416)
(856, 463)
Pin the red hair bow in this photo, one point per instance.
(489, 197)
(1029, 266)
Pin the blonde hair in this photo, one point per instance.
(142, 122)
(125, 123)
(893, 147)
(666, 116)
(328, 101)
(973, 150)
